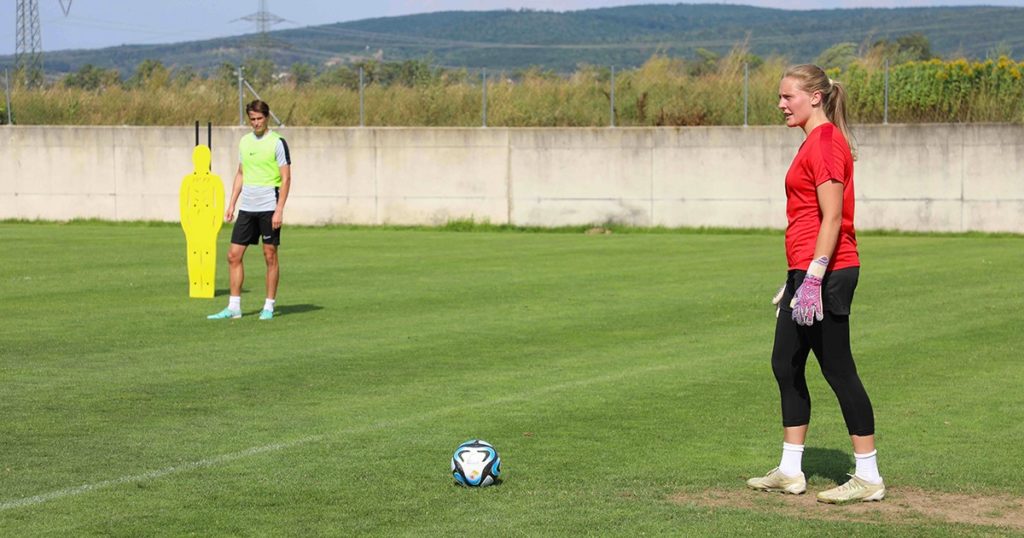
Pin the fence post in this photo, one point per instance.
(746, 92)
(611, 99)
(885, 109)
(257, 96)
(483, 82)
(7, 93)
(362, 109)
(241, 98)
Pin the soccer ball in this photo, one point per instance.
(476, 464)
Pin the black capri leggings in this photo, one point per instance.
(830, 341)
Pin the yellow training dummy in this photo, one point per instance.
(202, 213)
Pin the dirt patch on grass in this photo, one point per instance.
(901, 505)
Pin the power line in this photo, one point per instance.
(263, 19)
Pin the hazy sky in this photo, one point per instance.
(103, 23)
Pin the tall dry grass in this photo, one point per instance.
(664, 91)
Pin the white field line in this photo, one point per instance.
(277, 447)
(150, 475)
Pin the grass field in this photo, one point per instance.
(622, 377)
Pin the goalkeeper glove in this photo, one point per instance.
(806, 301)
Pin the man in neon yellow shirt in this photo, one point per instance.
(260, 190)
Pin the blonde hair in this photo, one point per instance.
(812, 78)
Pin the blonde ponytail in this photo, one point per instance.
(813, 79)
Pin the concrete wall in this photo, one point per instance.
(908, 177)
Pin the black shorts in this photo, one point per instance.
(836, 289)
(253, 226)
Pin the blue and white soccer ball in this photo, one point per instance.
(476, 464)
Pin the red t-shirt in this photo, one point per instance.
(824, 155)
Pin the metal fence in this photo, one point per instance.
(245, 88)
(7, 96)
(244, 85)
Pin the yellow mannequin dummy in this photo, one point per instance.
(202, 214)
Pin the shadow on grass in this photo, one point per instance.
(223, 292)
(287, 310)
(827, 463)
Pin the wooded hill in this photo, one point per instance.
(620, 36)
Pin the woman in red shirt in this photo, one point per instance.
(814, 304)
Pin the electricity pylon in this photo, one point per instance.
(28, 42)
(264, 20)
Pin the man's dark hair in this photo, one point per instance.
(258, 106)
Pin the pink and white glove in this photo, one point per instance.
(806, 303)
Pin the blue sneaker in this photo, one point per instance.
(267, 314)
(227, 313)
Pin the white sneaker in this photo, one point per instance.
(855, 490)
(776, 481)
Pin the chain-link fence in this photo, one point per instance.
(245, 90)
(662, 92)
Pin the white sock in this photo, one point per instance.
(235, 302)
(867, 467)
(792, 455)
(268, 305)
